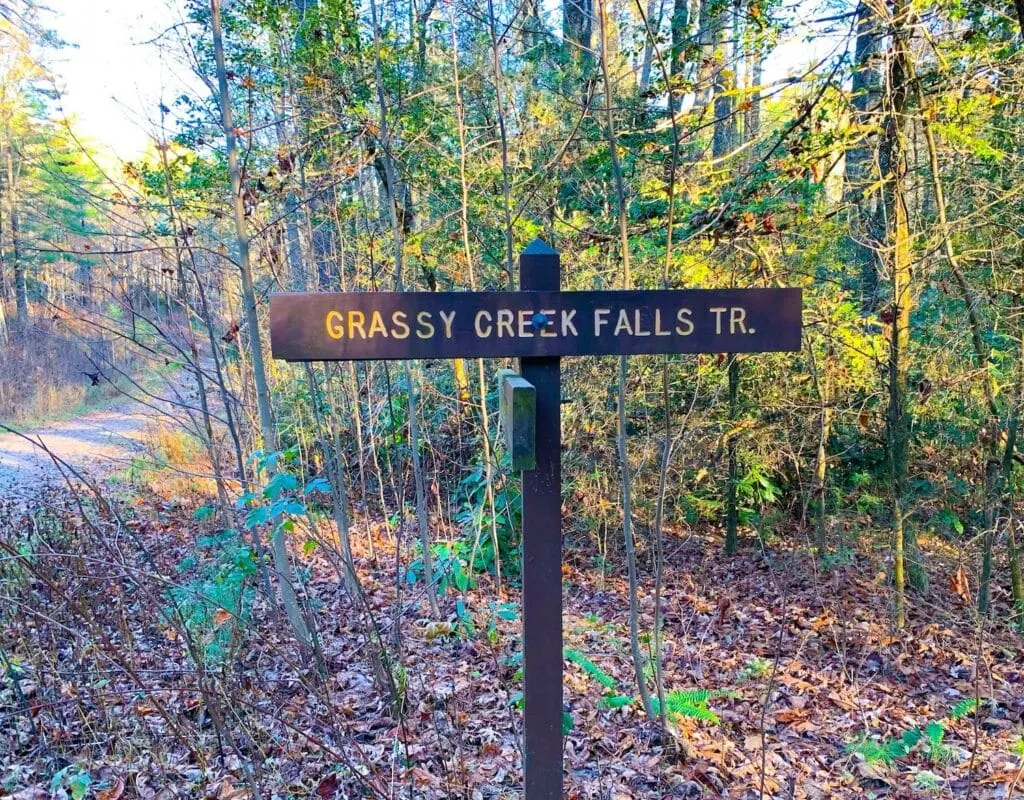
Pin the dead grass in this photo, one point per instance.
(47, 373)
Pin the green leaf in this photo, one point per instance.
(79, 785)
(58, 779)
(281, 482)
(204, 512)
(317, 485)
(293, 507)
(617, 701)
(568, 723)
(258, 516)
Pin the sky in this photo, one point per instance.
(113, 78)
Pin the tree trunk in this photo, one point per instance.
(485, 426)
(622, 437)
(17, 262)
(732, 512)
(398, 243)
(655, 8)
(268, 432)
(578, 29)
(677, 55)
(864, 218)
(893, 161)
(752, 120)
(1009, 452)
(711, 24)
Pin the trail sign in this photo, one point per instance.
(400, 325)
(538, 324)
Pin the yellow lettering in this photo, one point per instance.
(736, 319)
(718, 317)
(637, 331)
(623, 323)
(524, 324)
(549, 328)
(335, 325)
(658, 330)
(505, 318)
(426, 329)
(398, 323)
(567, 323)
(377, 325)
(684, 325)
(600, 319)
(483, 330)
(447, 319)
(355, 323)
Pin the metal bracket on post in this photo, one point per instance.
(517, 402)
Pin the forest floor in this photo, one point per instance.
(810, 693)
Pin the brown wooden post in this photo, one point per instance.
(542, 554)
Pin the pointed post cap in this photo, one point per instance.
(538, 247)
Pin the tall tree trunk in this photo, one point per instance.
(626, 473)
(993, 475)
(180, 237)
(398, 244)
(893, 161)
(725, 140)
(752, 120)
(268, 433)
(578, 30)
(17, 262)
(711, 23)
(485, 427)
(680, 26)
(863, 202)
(653, 15)
(506, 183)
(1009, 460)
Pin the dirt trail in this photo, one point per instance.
(97, 443)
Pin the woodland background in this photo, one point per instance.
(787, 575)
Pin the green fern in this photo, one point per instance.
(589, 667)
(688, 697)
(935, 750)
(688, 703)
(871, 751)
(965, 707)
(898, 748)
(617, 701)
(892, 749)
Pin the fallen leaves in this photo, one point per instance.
(838, 676)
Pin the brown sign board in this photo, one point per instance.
(355, 326)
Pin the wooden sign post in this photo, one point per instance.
(538, 324)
